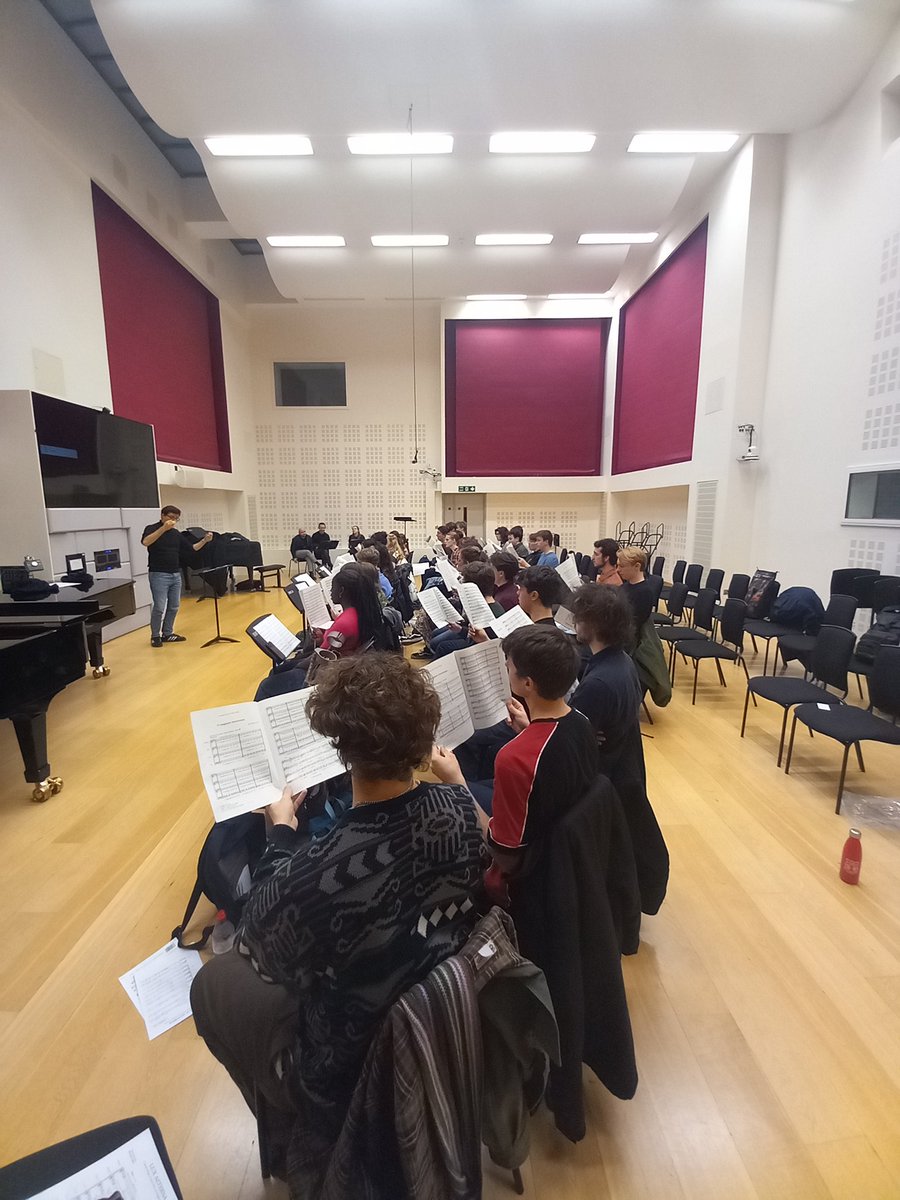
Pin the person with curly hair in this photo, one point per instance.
(336, 928)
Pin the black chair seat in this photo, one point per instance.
(761, 628)
(788, 691)
(662, 619)
(795, 645)
(847, 724)
(678, 633)
(694, 649)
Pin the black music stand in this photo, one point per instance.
(405, 522)
(217, 580)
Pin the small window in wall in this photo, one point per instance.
(311, 385)
(873, 496)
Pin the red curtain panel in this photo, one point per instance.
(659, 360)
(524, 397)
(163, 341)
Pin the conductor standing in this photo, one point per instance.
(165, 547)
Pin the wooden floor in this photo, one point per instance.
(765, 997)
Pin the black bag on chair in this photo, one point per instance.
(226, 863)
(885, 632)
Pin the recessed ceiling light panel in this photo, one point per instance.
(400, 143)
(682, 141)
(314, 241)
(410, 239)
(615, 239)
(513, 239)
(546, 142)
(499, 296)
(258, 145)
(579, 296)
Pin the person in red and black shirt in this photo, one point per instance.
(548, 766)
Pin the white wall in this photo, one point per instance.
(837, 262)
(345, 466)
(61, 128)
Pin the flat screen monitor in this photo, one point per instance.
(93, 459)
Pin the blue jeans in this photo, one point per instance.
(165, 588)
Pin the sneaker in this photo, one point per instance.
(174, 637)
(409, 638)
(156, 642)
(422, 654)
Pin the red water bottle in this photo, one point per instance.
(851, 859)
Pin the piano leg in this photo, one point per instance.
(94, 635)
(31, 734)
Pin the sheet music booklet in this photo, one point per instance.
(473, 686)
(248, 752)
(438, 607)
(568, 573)
(278, 636)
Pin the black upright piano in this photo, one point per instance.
(44, 646)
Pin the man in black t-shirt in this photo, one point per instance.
(320, 540)
(165, 547)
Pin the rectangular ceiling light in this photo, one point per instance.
(683, 141)
(615, 239)
(499, 296)
(311, 240)
(579, 296)
(259, 145)
(550, 142)
(410, 239)
(513, 239)
(401, 143)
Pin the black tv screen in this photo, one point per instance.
(92, 459)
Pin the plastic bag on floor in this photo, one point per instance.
(872, 810)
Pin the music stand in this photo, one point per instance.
(405, 522)
(217, 579)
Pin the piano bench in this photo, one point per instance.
(267, 571)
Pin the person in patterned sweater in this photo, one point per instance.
(336, 928)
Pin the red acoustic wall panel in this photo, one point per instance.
(659, 360)
(524, 397)
(163, 341)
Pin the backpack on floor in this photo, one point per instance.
(885, 632)
(224, 869)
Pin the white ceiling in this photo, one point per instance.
(329, 68)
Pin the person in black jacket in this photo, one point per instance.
(609, 695)
(302, 551)
(320, 540)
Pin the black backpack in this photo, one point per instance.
(885, 632)
(226, 863)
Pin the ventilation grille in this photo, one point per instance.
(704, 520)
(881, 427)
(865, 553)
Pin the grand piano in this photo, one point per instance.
(106, 600)
(44, 646)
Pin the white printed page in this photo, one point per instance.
(234, 759)
(565, 620)
(514, 619)
(277, 634)
(483, 672)
(133, 1170)
(419, 569)
(438, 607)
(456, 722)
(160, 987)
(303, 757)
(475, 606)
(568, 573)
(342, 560)
(315, 609)
(449, 574)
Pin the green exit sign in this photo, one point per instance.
(466, 487)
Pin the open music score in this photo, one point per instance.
(248, 752)
(473, 687)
